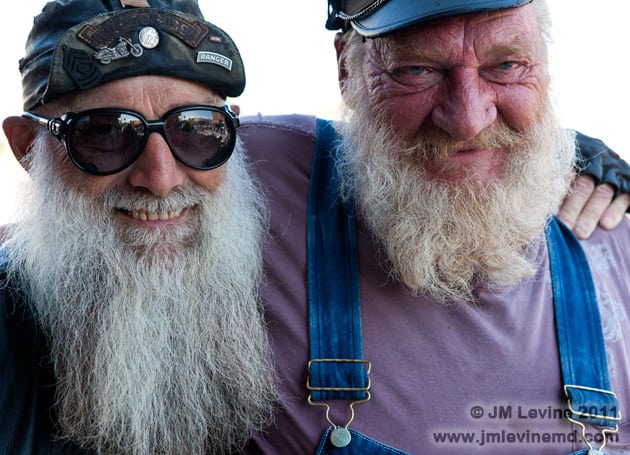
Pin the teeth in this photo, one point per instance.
(143, 215)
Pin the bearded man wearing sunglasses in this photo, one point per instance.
(130, 316)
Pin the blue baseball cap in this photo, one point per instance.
(373, 18)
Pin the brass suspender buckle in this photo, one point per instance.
(366, 363)
(340, 437)
(592, 414)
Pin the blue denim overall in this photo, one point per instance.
(337, 370)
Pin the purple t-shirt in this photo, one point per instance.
(462, 379)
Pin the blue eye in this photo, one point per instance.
(416, 70)
(507, 65)
(417, 76)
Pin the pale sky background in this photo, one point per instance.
(290, 65)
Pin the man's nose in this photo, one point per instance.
(467, 105)
(157, 169)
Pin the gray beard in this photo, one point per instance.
(443, 239)
(156, 335)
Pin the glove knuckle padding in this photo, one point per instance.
(597, 160)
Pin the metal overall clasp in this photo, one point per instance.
(577, 414)
(340, 436)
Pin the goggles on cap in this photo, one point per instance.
(105, 141)
(341, 12)
(372, 18)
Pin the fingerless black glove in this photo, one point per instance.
(597, 160)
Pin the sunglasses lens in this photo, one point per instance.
(105, 142)
(201, 138)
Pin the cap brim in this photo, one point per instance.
(396, 14)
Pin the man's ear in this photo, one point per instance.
(342, 73)
(20, 133)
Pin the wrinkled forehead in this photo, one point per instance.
(514, 31)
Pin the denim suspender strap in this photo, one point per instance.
(336, 369)
(580, 338)
(4, 258)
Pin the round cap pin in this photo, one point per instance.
(149, 37)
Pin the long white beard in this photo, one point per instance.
(445, 239)
(156, 336)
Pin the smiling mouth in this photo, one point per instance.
(144, 215)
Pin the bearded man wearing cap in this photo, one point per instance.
(130, 317)
(448, 310)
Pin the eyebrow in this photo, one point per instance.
(518, 46)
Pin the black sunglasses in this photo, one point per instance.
(106, 141)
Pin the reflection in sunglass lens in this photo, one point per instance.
(106, 141)
(198, 137)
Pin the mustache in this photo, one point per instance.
(125, 197)
(431, 144)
